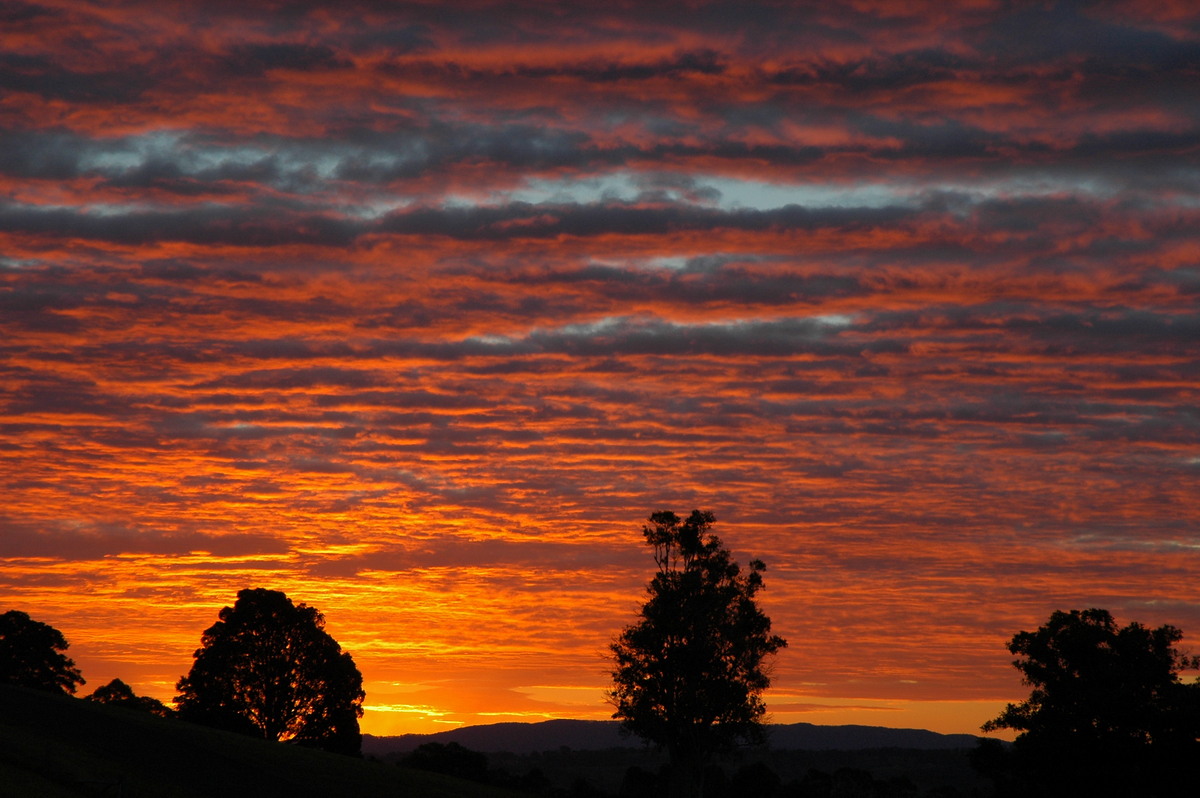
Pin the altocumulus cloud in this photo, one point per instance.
(415, 312)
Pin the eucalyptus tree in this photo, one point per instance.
(689, 674)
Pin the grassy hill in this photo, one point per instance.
(59, 747)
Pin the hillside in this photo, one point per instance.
(568, 750)
(596, 735)
(810, 737)
(59, 747)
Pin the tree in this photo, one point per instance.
(449, 759)
(689, 674)
(1107, 715)
(270, 669)
(120, 694)
(31, 655)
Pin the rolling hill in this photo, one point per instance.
(54, 746)
(59, 747)
(596, 735)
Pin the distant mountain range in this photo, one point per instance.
(595, 735)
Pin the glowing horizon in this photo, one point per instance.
(416, 313)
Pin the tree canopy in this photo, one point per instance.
(31, 655)
(450, 759)
(120, 694)
(1107, 712)
(269, 668)
(688, 676)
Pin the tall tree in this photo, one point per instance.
(688, 676)
(1108, 714)
(269, 668)
(31, 655)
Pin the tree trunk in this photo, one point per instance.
(687, 774)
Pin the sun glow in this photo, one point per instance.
(416, 317)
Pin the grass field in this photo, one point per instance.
(59, 747)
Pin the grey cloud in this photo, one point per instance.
(292, 378)
(456, 553)
(33, 392)
(264, 228)
(255, 59)
(631, 336)
(703, 283)
(524, 220)
(888, 72)
(94, 540)
(182, 272)
(51, 80)
(45, 154)
(1063, 30)
(294, 175)
(1049, 330)
(210, 225)
(14, 13)
(395, 39)
(941, 139)
(40, 308)
(704, 62)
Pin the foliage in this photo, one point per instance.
(689, 674)
(120, 694)
(268, 668)
(52, 746)
(31, 655)
(1107, 710)
(759, 780)
(453, 759)
(450, 759)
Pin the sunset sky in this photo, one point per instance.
(416, 311)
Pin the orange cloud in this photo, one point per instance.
(416, 314)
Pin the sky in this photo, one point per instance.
(416, 311)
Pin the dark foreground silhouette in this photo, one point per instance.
(58, 746)
(54, 746)
(120, 694)
(689, 674)
(32, 654)
(642, 772)
(268, 668)
(602, 735)
(1108, 715)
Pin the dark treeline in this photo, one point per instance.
(644, 773)
(1108, 715)
(266, 669)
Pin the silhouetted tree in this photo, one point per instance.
(31, 655)
(269, 668)
(449, 759)
(815, 784)
(120, 694)
(689, 675)
(533, 781)
(582, 788)
(639, 783)
(1108, 714)
(755, 780)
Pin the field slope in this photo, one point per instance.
(59, 747)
